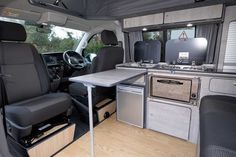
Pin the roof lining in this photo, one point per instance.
(116, 10)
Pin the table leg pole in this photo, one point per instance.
(89, 88)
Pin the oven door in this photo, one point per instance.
(171, 88)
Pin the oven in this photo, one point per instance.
(175, 88)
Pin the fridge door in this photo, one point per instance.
(130, 105)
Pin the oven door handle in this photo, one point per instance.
(170, 82)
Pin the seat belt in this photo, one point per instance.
(4, 100)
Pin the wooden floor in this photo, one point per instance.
(116, 139)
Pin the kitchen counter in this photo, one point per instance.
(155, 68)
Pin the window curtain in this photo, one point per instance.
(133, 38)
(126, 48)
(209, 32)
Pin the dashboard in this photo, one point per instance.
(53, 59)
(59, 71)
(56, 66)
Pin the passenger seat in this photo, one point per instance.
(27, 84)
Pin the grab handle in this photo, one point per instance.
(170, 82)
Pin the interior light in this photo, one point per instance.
(145, 29)
(189, 25)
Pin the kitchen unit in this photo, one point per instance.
(172, 98)
(171, 103)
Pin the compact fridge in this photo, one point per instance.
(130, 105)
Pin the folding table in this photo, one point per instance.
(108, 78)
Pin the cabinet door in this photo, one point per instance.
(223, 86)
(169, 119)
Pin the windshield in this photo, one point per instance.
(50, 38)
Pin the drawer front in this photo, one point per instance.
(53, 144)
(223, 86)
(169, 119)
(140, 80)
(176, 89)
(109, 108)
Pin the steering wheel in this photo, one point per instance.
(74, 59)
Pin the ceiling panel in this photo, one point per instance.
(118, 9)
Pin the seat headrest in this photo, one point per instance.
(109, 38)
(12, 32)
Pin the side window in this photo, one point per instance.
(94, 44)
(157, 35)
(176, 33)
(168, 34)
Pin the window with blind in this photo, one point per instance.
(230, 54)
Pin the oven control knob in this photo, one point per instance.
(194, 95)
(106, 115)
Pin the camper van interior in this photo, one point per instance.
(118, 78)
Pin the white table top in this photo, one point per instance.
(108, 78)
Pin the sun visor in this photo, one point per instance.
(52, 18)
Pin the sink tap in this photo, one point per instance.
(172, 68)
(140, 63)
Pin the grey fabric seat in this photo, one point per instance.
(27, 84)
(217, 126)
(36, 110)
(107, 58)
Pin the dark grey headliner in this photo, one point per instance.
(118, 9)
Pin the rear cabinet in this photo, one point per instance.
(223, 86)
(147, 20)
(194, 14)
(169, 119)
